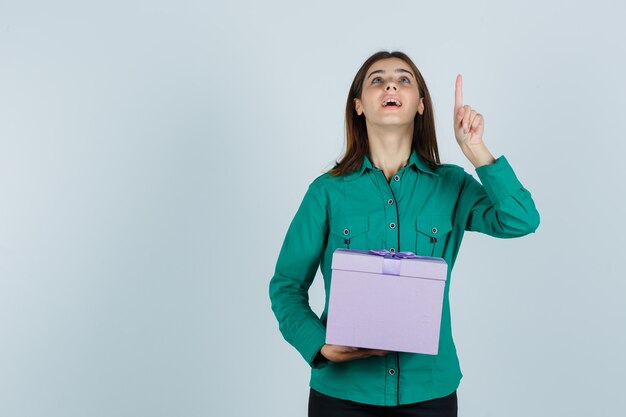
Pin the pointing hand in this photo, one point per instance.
(468, 124)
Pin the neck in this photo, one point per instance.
(390, 148)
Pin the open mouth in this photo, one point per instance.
(392, 103)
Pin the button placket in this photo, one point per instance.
(391, 215)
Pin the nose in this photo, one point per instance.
(390, 85)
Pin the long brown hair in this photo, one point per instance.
(357, 147)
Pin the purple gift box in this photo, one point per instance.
(385, 300)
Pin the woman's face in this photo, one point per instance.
(385, 79)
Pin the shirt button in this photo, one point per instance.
(392, 372)
(397, 178)
(392, 250)
(434, 230)
(392, 225)
(346, 231)
(390, 201)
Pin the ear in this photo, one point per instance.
(420, 106)
(358, 106)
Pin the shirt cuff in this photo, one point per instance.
(499, 179)
(319, 361)
(312, 346)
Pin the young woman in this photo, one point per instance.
(390, 191)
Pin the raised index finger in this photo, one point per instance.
(458, 93)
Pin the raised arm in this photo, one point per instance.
(500, 206)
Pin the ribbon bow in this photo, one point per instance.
(391, 264)
(388, 254)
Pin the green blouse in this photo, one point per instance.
(421, 210)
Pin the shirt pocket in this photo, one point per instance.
(431, 233)
(350, 232)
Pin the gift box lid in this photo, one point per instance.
(389, 263)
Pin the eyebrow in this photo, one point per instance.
(397, 70)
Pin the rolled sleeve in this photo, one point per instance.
(500, 206)
(296, 267)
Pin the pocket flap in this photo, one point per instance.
(349, 227)
(433, 226)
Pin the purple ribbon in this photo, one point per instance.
(391, 261)
(388, 254)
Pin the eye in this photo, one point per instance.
(405, 80)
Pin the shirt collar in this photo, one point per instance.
(414, 159)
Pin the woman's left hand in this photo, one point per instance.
(468, 124)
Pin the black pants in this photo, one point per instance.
(321, 405)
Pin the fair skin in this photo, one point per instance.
(390, 133)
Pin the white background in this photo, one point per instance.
(153, 154)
